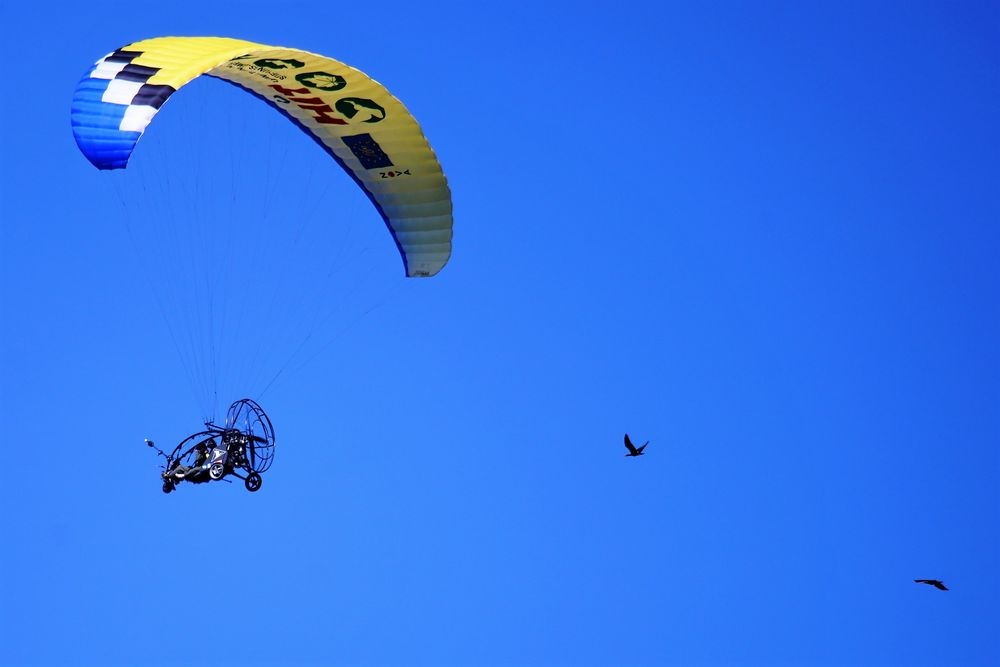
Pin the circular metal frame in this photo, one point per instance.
(249, 419)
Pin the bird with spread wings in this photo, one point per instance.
(632, 449)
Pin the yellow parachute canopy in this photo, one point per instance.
(353, 117)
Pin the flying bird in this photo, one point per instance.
(932, 582)
(632, 451)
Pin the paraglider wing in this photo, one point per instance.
(353, 117)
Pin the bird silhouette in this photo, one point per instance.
(932, 582)
(632, 450)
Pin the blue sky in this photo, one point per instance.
(761, 235)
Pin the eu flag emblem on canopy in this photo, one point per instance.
(368, 152)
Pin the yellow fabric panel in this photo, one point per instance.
(181, 59)
(354, 117)
(413, 192)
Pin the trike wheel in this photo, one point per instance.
(217, 470)
(253, 482)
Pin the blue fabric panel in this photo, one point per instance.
(95, 125)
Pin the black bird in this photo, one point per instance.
(632, 451)
(932, 582)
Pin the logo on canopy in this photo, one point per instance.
(321, 80)
(360, 107)
(367, 150)
(279, 63)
